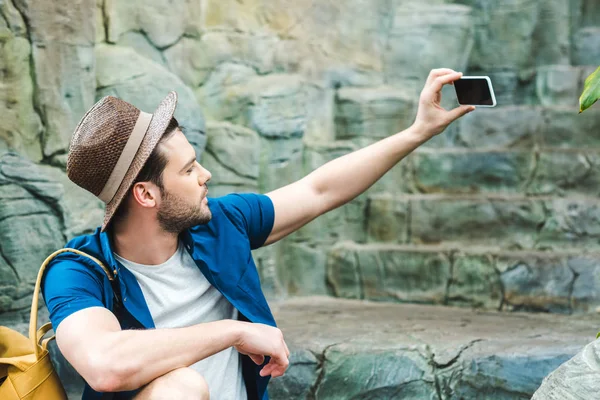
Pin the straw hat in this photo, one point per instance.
(111, 145)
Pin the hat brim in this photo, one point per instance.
(159, 123)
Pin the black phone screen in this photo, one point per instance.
(473, 92)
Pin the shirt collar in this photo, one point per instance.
(106, 248)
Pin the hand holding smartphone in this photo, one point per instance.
(475, 91)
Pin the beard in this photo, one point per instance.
(176, 215)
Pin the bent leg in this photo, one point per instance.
(182, 383)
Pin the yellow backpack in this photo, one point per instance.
(26, 372)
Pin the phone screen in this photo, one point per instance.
(473, 92)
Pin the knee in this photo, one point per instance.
(190, 383)
(182, 383)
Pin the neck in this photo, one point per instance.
(142, 241)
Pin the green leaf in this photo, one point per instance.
(591, 91)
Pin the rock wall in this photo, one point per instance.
(500, 211)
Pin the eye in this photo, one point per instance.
(189, 171)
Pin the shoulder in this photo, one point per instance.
(251, 214)
(242, 208)
(69, 270)
(241, 200)
(72, 282)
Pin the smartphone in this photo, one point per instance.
(475, 91)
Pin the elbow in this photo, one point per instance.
(106, 375)
(104, 383)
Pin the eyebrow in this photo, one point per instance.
(186, 166)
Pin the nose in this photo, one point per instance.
(204, 176)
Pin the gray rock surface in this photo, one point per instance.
(303, 269)
(32, 225)
(572, 222)
(125, 74)
(576, 379)
(84, 212)
(232, 156)
(512, 222)
(373, 112)
(558, 85)
(472, 171)
(536, 283)
(358, 350)
(503, 34)
(475, 281)
(387, 219)
(194, 59)
(163, 23)
(563, 127)
(567, 171)
(139, 42)
(413, 44)
(480, 276)
(498, 212)
(20, 126)
(62, 38)
(586, 46)
(511, 126)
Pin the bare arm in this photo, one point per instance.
(344, 178)
(112, 360)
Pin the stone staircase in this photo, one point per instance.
(497, 216)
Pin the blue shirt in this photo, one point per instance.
(222, 251)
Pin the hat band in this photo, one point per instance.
(124, 162)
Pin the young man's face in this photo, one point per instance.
(183, 203)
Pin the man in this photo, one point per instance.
(182, 262)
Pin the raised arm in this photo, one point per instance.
(113, 360)
(344, 178)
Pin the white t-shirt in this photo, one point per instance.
(178, 295)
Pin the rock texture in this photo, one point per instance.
(348, 349)
(499, 212)
(20, 127)
(268, 92)
(32, 225)
(364, 350)
(125, 74)
(575, 379)
(62, 40)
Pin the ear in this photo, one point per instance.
(146, 194)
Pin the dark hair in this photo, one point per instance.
(152, 169)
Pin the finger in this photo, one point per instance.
(287, 351)
(459, 112)
(278, 370)
(279, 364)
(438, 72)
(440, 81)
(257, 358)
(268, 369)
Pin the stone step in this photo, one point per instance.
(347, 349)
(525, 127)
(543, 171)
(504, 220)
(508, 221)
(565, 281)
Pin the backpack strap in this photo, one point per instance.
(35, 335)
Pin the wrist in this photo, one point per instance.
(236, 330)
(418, 133)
